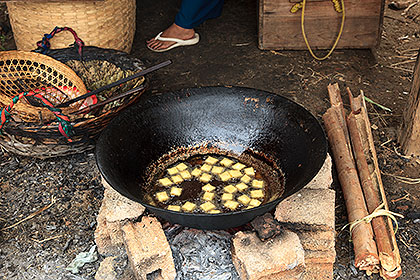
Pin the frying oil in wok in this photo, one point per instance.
(210, 184)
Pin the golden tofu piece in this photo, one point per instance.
(254, 203)
(165, 182)
(205, 177)
(214, 211)
(227, 196)
(225, 176)
(230, 189)
(232, 205)
(181, 167)
(177, 179)
(207, 206)
(246, 179)
(176, 191)
(162, 196)
(244, 199)
(196, 172)
(235, 173)
(226, 162)
(172, 170)
(257, 194)
(185, 174)
(208, 196)
(238, 166)
(217, 169)
(250, 207)
(208, 188)
(174, 208)
(188, 206)
(241, 187)
(258, 184)
(206, 167)
(249, 171)
(211, 160)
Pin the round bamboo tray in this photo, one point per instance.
(107, 24)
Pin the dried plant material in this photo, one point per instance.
(211, 160)
(185, 174)
(249, 171)
(208, 188)
(188, 206)
(244, 199)
(206, 167)
(172, 170)
(196, 172)
(258, 184)
(226, 162)
(182, 166)
(176, 191)
(256, 194)
(174, 208)
(208, 196)
(230, 189)
(232, 205)
(207, 206)
(217, 170)
(177, 179)
(238, 166)
(225, 176)
(227, 196)
(205, 177)
(241, 187)
(246, 179)
(235, 173)
(165, 182)
(162, 196)
(254, 203)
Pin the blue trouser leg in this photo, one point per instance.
(195, 12)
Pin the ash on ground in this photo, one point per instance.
(203, 255)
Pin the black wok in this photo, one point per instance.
(231, 118)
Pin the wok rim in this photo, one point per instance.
(269, 205)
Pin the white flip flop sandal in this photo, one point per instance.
(178, 42)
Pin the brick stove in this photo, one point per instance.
(297, 242)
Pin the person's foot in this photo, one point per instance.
(173, 31)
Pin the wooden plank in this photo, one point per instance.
(410, 130)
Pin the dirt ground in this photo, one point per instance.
(41, 247)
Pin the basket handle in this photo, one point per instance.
(64, 125)
(44, 45)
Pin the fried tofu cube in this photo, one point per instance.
(172, 170)
(177, 179)
(176, 191)
(250, 207)
(258, 184)
(207, 206)
(225, 176)
(227, 196)
(235, 173)
(241, 187)
(246, 179)
(254, 203)
(208, 196)
(217, 169)
(211, 160)
(196, 172)
(162, 196)
(257, 194)
(205, 177)
(238, 166)
(174, 208)
(185, 174)
(230, 189)
(206, 167)
(214, 211)
(226, 162)
(244, 199)
(232, 205)
(181, 167)
(165, 182)
(188, 206)
(249, 171)
(208, 188)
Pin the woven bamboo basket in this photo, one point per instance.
(107, 24)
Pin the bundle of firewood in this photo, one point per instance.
(355, 157)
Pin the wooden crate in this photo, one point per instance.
(281, 29)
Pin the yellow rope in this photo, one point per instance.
(339, 8)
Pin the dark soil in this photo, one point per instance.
(226, 55)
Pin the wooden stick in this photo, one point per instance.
(367, 164)
(366, 256)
